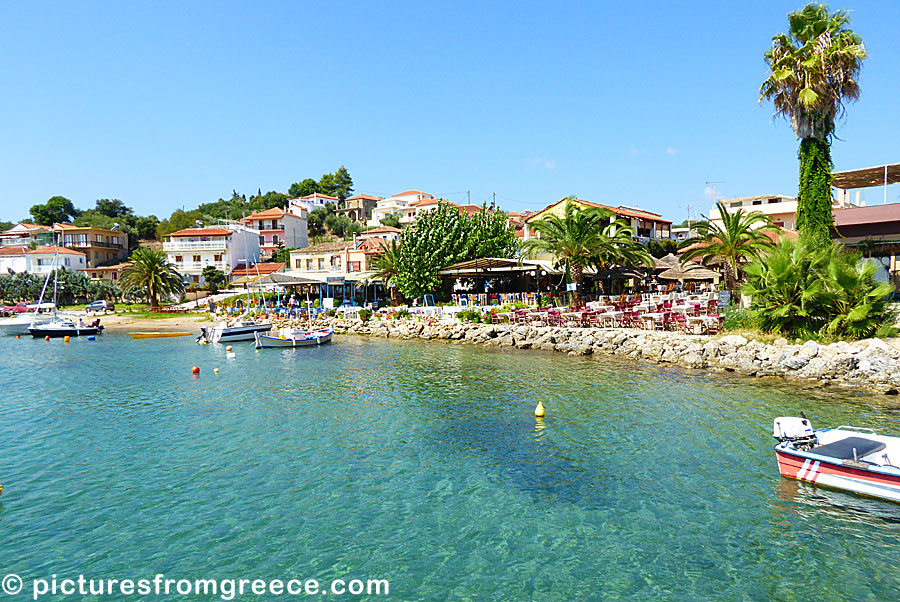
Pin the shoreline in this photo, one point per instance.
(174, 323)
(870, 364)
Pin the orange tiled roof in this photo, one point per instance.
(366, 197)
(380, 230)
(408, 192)
(261, 268)
(13, 250)
(320, 196)
(50, 250)
(625, 211)
(424, 202)
(267, 214)
(201, 232)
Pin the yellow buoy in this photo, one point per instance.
(66, 339)
(215, 370)
(539, 410)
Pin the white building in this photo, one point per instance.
(13, 259)
(385, 233)
(781, 208)
(44, 260)
(23, 234)
(406, 204)
(193, 249)
(276, 226)
(682, 234)
(311, 202)
(41, 260)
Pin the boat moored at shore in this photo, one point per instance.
(225, 332)
(847, 458)
(294, 337)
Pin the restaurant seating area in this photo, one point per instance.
(686, 313)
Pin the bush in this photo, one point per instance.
(469, 315)
(403, 314)
(365, 315)
(807, 290)
(331, 313)
(735, 317)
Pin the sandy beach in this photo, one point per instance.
(125, 323)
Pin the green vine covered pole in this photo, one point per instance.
(814, 217)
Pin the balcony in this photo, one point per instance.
(197, 266)
(195, 245)
(81, 244)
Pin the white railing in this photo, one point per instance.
(199, 265)
(190, 246)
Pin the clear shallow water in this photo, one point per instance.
(422, 463)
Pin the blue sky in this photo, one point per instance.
(173, 104)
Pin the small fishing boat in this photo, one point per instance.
(153, 334)
(227, 332)
(64, 328)
(846, 457)
(294, 337)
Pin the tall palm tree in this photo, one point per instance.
(583, 238)
(149, 272)
(386, 269)
(740, 237)
(813, 70)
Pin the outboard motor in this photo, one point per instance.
(798, 431)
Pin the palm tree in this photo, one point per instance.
(150, 272)
(814, 70)
(386, 269)
(583, 238)
(740, 237)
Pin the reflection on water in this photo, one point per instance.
(424, 464)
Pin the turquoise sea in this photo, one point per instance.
(422, 463)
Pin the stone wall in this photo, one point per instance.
(870, 364)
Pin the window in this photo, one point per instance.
(298, 263)
(178, 259)
(262, 239)
(94, 275)
(196, 259)
(217, 257)
(115, 275)
(354, 266)
(774, 201)
(274, 239)
(321, 263)
(757, 202)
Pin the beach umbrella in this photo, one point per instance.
(688, 272)
(669, 261)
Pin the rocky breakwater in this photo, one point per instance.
(870, 364)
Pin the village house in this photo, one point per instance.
(276, 226)
(100, 246)
(646, 225)
(192, 249)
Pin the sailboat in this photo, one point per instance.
(60, 326)
(39, 313)
(242, 328)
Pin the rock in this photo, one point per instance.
(692, 360)
(809, 349)
(794, 362)
(735, 340)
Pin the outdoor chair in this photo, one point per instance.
(713, 323)
(680, 324)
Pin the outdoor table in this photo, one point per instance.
(506, 314)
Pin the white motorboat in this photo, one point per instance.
(848, 458)
(238, 330)
(294, 337)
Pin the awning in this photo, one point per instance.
(867, 177)
(495, 266)
(283, 279)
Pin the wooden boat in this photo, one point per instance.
(294, 337)
(157, 334)
(847, 458)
